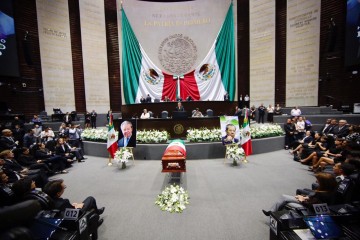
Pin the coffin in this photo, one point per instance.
(174, 157)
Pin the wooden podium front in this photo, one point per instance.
(173, 161)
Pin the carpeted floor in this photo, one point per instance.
(225, 201)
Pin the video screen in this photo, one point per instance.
(9, 65)
(352, 51)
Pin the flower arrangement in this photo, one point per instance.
(204, 135)
(173, 199)
(266, 130)
(193, 135)
(122, 155)
(152, 136)
(95, 135)
(234, 152)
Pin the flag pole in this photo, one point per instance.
(109, 163)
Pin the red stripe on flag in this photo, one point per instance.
(188, 87)
(169, 88)
(112, 149)
(247, 147)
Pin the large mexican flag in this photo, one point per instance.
(209, 81)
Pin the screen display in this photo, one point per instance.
(352, 51)
(9, 65)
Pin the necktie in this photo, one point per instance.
(126, 141)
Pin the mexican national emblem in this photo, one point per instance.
(178, 129)
(151, 76)
(177, 54)
(206, 72)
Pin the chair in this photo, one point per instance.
(156, 100)
(209, 113)
(164, 114)
(151, 114)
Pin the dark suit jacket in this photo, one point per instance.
(343, 132)
(6, 144)
(308, 139)
(223, 140)
(13, 165)
(61, 204)
(131, 143)
(60, 151)
(180, 109)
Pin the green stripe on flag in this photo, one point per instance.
(131, 60)
(225, 53)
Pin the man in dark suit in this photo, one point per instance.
(93, 116)
(230, 138)
(179, 107)
(330, 127)
(341, 130)
(127, 140)
(7, 141)
(55, 190)
(148, 98)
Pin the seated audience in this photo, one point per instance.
(57, 163)
(78, 152)
(63, 149)
(197, 113)
(18, 134)
(75, 135)
(29, 139)
(36, 120)
(300, 127)
(327, 143)
(63, 130)
(7, 196)
(145, 114)
(327, 123)
(341, 130)
(47, 135)
(325, 193)
(27, 160)
(55, 189)
(330, 127)
(7, 142)
(15, 171)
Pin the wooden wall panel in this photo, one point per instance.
(112, 41)
(243, 47)
(337, 85)
(27, 100)
(280, 53)
(77, 56)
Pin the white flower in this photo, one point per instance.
(172, 199)
(122, 155)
